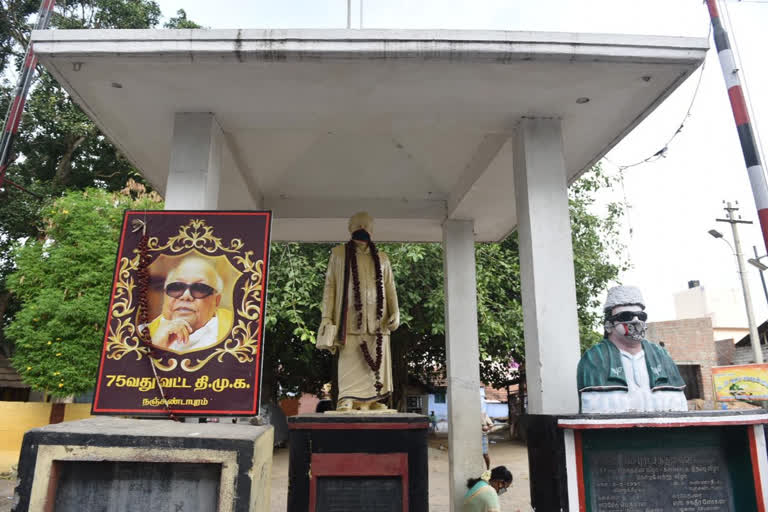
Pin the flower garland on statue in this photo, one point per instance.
(373, 364)
(143, 279)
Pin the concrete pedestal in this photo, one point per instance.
(114, 464)
(358, 462)
(703, 460)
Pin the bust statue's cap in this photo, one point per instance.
(361, 220)
(623, 296)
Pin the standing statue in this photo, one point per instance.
(359, 312)
(625, 372)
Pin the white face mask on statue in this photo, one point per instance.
(629, 322)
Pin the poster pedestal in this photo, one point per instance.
(355, 461)
(697, 460)
(115, 464)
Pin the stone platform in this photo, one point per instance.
(696, 460)
(114, 464)
(353, 462)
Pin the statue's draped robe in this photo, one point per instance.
(356, 379)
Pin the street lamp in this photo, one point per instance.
(756, 263)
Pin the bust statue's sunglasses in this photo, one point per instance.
(627, 316)
(196, 290)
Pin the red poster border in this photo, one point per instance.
(259, 364)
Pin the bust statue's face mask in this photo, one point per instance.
(629, 322)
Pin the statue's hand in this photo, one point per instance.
(323, 342)
(394, 321)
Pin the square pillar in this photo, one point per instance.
(462, 357)
(546, 268)
(195, 166)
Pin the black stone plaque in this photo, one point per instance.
(660, 480)
(648, 470)
(121, 486)
(353, 494)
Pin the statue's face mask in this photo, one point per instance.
(628, 321)
(361, 235)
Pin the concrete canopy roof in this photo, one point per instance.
(413, 126)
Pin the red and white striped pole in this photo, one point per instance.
(13, 119)
(749, 146)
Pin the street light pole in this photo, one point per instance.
(753, 335)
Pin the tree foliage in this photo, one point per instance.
(181, 21)
(63, 283)
(58, 148)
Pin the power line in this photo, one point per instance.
(661, 153)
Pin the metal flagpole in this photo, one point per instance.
(13, 118)
(749, 147)
(349, 13)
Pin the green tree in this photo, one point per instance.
(58, 148)
(62, 280)
(295, 287)
(181, 21)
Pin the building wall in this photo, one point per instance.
(689, 341)
(725, 306)
(18, 417)
(743, 355)
(725, 350)
(497, 409)
(308, 403)
(440, 409)
(734, 333)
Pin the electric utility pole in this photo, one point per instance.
(731, 219)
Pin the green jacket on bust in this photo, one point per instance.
(600, 369)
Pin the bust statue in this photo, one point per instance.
(359, 312)
(625, 372)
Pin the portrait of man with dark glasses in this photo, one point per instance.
(626, 372)
(191, 318)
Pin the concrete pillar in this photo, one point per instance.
(463, 357)
(195, 167)
(546, 268)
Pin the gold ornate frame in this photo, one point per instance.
(241, 343)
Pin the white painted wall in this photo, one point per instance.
(725, 306)
(440, 409)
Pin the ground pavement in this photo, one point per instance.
(511, 454)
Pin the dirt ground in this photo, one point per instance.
(511, 454)
(6, 494)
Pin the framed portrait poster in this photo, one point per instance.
(184, 329)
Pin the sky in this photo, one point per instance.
(673, 201)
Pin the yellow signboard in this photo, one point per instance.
(742, 382)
